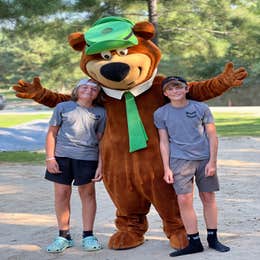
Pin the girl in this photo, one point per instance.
(72, 155)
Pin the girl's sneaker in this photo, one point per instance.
(59, 245)
(91, 243)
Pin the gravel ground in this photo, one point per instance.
(28, 223)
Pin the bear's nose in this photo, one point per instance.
(115, 71)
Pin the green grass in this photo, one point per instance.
(23, 157)
(10, 120)
(234, 124)
(228, 124)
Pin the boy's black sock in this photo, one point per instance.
(194, 246)
(214, 243)
(65, 234)
(87, 233)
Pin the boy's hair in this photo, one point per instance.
(74, 93)
(174, 79)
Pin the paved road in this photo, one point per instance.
(26, 137)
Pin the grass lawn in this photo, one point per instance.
(10, 120)
(23, 157)
(234, 124)
(228, 124)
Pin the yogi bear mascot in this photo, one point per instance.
(121, 56)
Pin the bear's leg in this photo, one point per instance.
(130, 232)
(165, 202)
(131, 220)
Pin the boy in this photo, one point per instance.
(188, 145)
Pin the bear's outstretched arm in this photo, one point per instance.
(38, 93)
(230, 77)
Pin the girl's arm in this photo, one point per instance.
(165, 154)
(98, 175)
(51, 163)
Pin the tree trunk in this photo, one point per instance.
(153, 17)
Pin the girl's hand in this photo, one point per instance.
(52, 166)
(98, 175)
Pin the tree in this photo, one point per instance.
(153, 17)
(197, 37)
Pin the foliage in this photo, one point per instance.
(197, 38)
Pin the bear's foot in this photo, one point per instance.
(179, 240)
(125, 240)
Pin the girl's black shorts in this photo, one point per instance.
(79, 172)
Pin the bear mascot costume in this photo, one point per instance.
(121, 56)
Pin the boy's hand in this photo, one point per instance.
(168, 176)
(52, 166)
(210, 169)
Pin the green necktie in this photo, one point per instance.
(136, 132)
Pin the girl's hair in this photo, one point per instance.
(74, 93)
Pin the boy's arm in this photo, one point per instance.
(165, 154)
(211, 167)
(51, 163)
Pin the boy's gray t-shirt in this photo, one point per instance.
(77, 136)
(186, 129)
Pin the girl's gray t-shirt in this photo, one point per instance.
(186, 129)
(77, 136)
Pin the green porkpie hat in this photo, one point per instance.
(109, 33)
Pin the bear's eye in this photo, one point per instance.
(106, 55)
(122, 52)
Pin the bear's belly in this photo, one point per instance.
(115, 142)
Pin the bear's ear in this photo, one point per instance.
(144, 29)
(77, 41)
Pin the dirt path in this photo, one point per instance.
(28, 224)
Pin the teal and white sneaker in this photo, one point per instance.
(91, 243)
(59, 245)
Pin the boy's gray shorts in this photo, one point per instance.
(184, 172)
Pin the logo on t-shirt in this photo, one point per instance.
(191, 114)
(94, 116)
